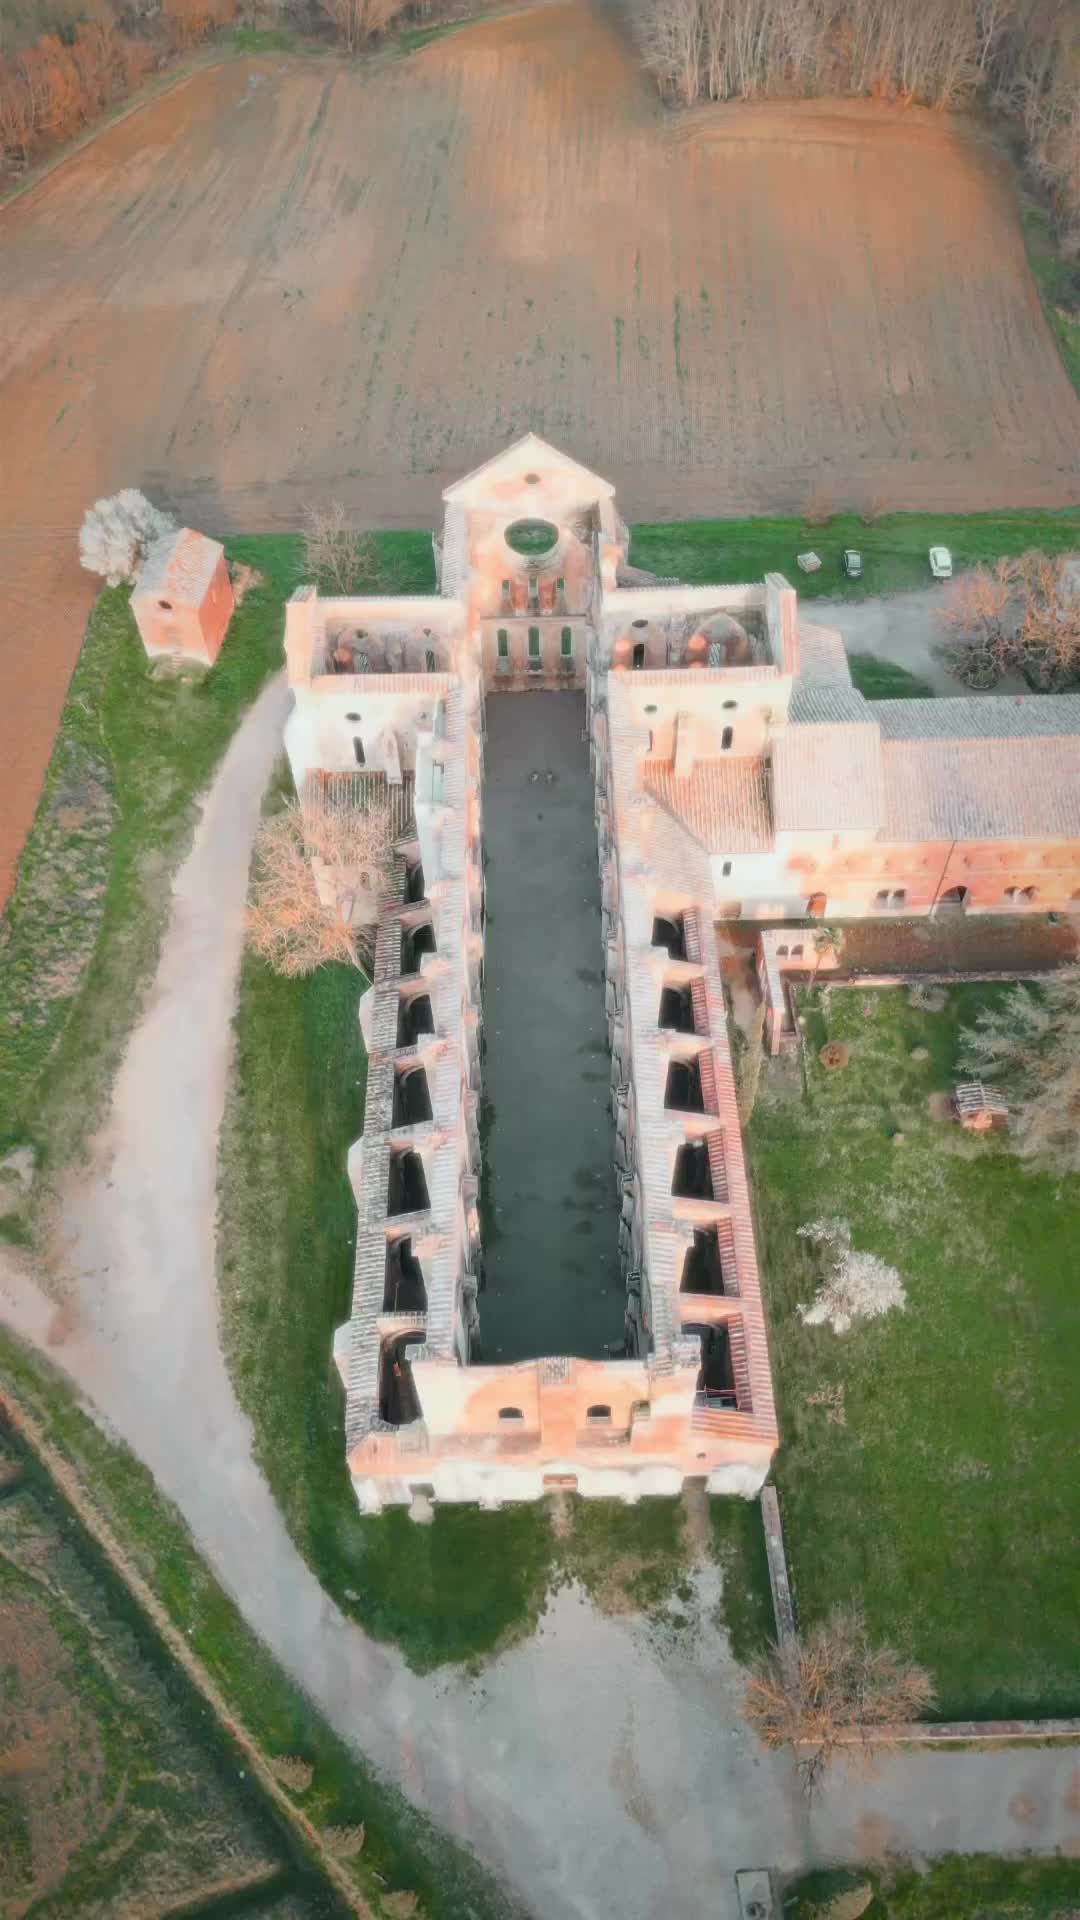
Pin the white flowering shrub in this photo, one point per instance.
(858, 1286)
(115, 534)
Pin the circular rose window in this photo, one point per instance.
(532, 537)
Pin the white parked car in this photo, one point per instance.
(941, 563)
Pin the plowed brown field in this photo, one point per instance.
(289, 278)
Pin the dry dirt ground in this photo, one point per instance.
(290, 277)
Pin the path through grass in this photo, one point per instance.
(935, 1487)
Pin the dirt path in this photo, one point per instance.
(288, 277)
(602, 1767)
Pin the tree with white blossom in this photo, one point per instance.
(116, 533)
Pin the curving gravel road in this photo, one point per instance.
(602, 1767)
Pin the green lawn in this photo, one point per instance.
(959, 1887)
(470, 1581)
(947, 1505)
(884, 680)
(894, 547)
(80, 935)
(79, 938)
(1059, 284)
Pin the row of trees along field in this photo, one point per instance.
(1022, 57)
(62, 80)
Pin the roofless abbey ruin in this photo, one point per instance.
(737, 775)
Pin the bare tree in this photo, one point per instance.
(358, 21)
(833, 1692)
(1049, 632)
(316, 878)
(976, 614)
(340, 559)
(18, 119)
(674, 45)
(116, 533)
(1029, 1046)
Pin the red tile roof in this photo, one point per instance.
(724, 803)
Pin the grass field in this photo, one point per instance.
(112, 1797)
(79, 938)
(894, 547)
(959, 1887)
(934, 1486)
(82, 928)
(470, 1581)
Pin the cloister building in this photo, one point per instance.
(739, 775)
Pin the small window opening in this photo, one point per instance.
(639, 624)
(881, 898)
(796, 952)
(353, 718)
(677, 1010)
(692, 1178)
(403, 1284)
(358, 749)
(639, 654)
(503, 640)
(414, 942)
(703, 1269)
(726, 739)
(534, 643)
(414, 883)
(716, 1381)
(414, 1019)
(429, 659)
(567, 642)
(726, 869)
(406, 1187)
(398, 1404)
(669, 930)
(165, 605)
(598, 1413)
(730, 706)
(781, 952)
(683, 1092)
(511, 1413)
(412, 1099)
(899, 895)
